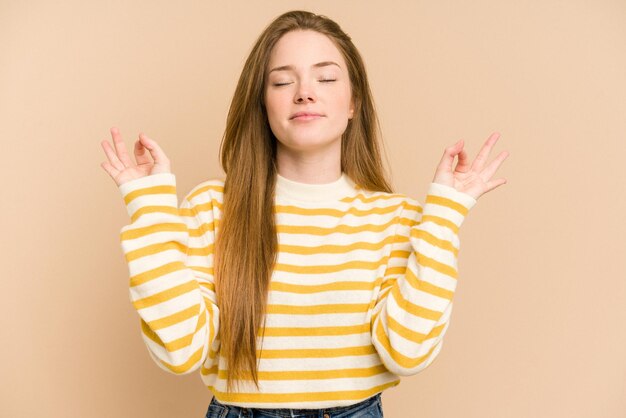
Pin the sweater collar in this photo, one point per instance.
(335, 190)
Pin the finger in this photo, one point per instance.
(483, 154)
(155, 150)
(447, 159)
(112, 156)
(462, 165)
(120, 148)
(141, 154)
(112, 171)
(495, 183)
(491, 168)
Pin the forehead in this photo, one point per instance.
(302, 49)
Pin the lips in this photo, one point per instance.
(306, 114)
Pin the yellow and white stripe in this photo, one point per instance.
(361, 292)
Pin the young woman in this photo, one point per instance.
(301, 284)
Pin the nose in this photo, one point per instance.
(305, 93)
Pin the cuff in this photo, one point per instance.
(448, 204)
(153, 190)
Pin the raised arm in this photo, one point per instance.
(169, 255)
(413, 308)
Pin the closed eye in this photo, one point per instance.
(322, 81)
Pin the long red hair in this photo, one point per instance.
(246, 242)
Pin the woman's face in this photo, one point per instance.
(305, 86)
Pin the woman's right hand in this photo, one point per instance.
(122, 168)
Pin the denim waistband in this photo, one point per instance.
(300, 413)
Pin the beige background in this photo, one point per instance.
(539, 322)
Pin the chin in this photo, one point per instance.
(305, 143)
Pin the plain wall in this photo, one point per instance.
(538, 327)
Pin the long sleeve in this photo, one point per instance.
(413, 308)
(169, 255)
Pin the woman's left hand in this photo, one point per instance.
(470, 179)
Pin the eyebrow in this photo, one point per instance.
(291, 67)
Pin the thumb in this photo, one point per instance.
(447, 160)
(160, 159)
(152, 147)
(141, 153)
(145, 141)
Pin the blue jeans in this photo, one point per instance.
(369, 408)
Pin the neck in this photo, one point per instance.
(320, 164)
(315, 192)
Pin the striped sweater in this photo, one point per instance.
(361, 293)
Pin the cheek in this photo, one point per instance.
(273, 105)
(274, 114)
(343, 99)
(270, 109)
